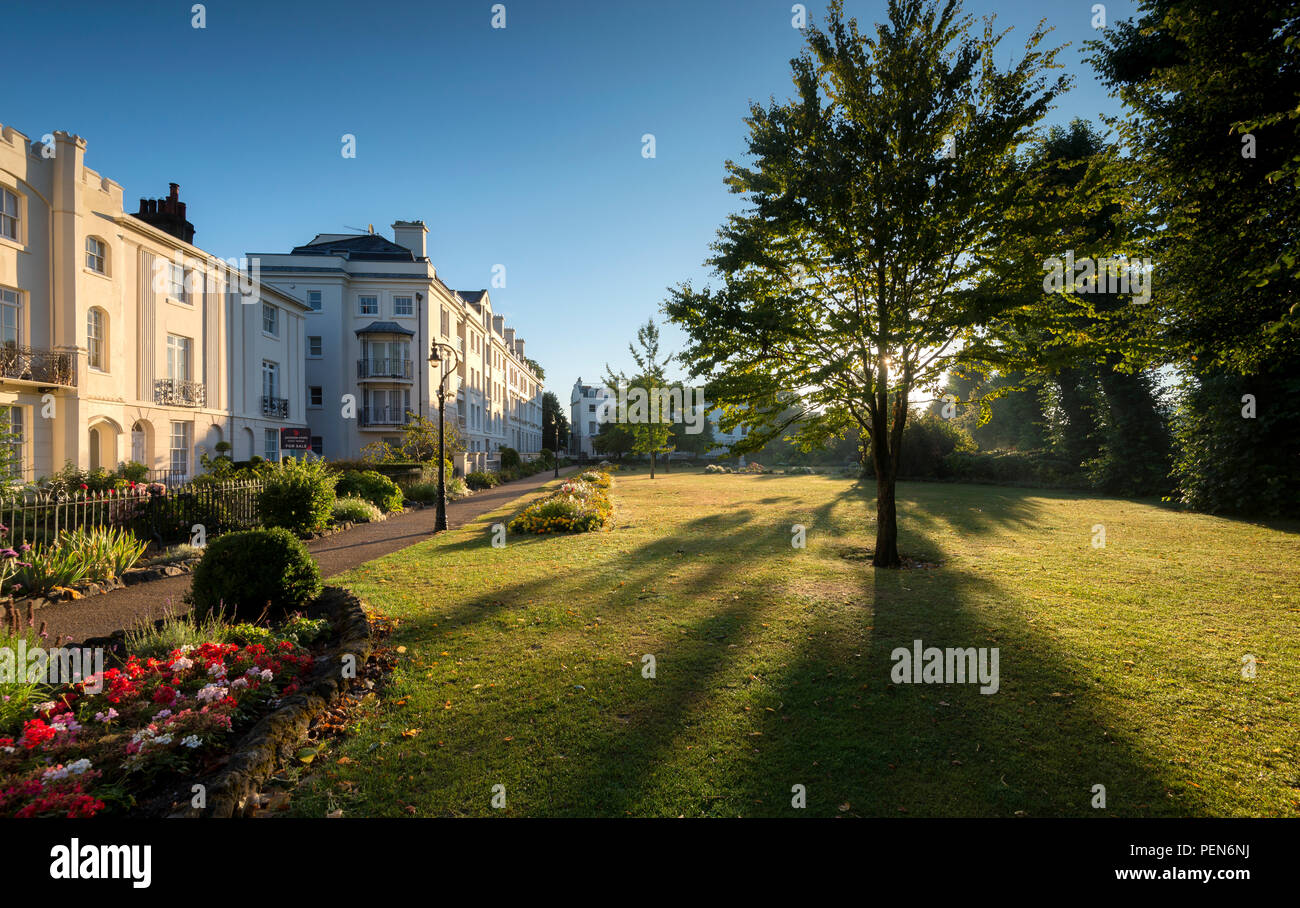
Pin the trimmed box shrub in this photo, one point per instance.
(243, 575)
(481, 479)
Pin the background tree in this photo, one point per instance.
(651, 431)
(883, 196)
(1213, 95)
(553, 421)
(419, 442)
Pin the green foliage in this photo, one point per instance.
(356, 510)
(253, 572)
(481, 479)
(804, 331)
(298, 495)
(927, 442)
(374, 487)
(651, 432)
(553, 415)
(510, 459)
(1009, 467)
(1226, 463)
(419, 442)
(1198, 77)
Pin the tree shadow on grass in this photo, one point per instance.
(728, 727)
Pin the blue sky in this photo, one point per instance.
(518, 146)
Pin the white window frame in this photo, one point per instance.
(270, 439)
(399, 308)
(13, 414)
(180, 352)
(315, 396)
(97, 339)
(96, 255)
(179, 455)
(361, 304)
(314, 300)
(317, 350)
(11, 308)
(268, 309)
(11, 215)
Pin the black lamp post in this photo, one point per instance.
(437, 355)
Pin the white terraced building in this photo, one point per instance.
(376, 306)
(122, 340)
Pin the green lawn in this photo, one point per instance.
(1119, 666)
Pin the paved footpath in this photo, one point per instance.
(101, 615)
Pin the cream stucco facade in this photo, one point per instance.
(121, 341)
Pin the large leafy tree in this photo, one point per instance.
(1212, 93)
(883, 197)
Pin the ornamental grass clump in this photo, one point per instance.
(577, 506)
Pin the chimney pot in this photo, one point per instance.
(175, 193)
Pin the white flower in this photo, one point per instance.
(191, 741)
(47, 705)
(181, 664)
(211, 692)
(267, 675)
(239, 684)
(217, 670)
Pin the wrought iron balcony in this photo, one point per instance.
(35, 365)
(384, 368)
(170, 392)
(275, 406)
(385, 416)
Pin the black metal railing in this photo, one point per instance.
(35, 364)
(170, 392)
(154, 511)
(275, 406)
(384, 368)
(385, 416)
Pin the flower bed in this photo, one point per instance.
(580, 505)
(104, 744)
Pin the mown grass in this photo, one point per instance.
(1120, 666)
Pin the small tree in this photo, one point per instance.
(642, 409)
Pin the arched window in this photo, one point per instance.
(96, 255)
(97, 338)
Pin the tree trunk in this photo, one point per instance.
(652, 466)
(886, 524)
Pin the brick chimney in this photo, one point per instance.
(167, 214)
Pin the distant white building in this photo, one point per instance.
(586, 412)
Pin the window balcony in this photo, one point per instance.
(170, 392)
(387, 369)
(277, 407)
(36, 365)
(385, 416)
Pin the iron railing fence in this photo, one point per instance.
(153, 512)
